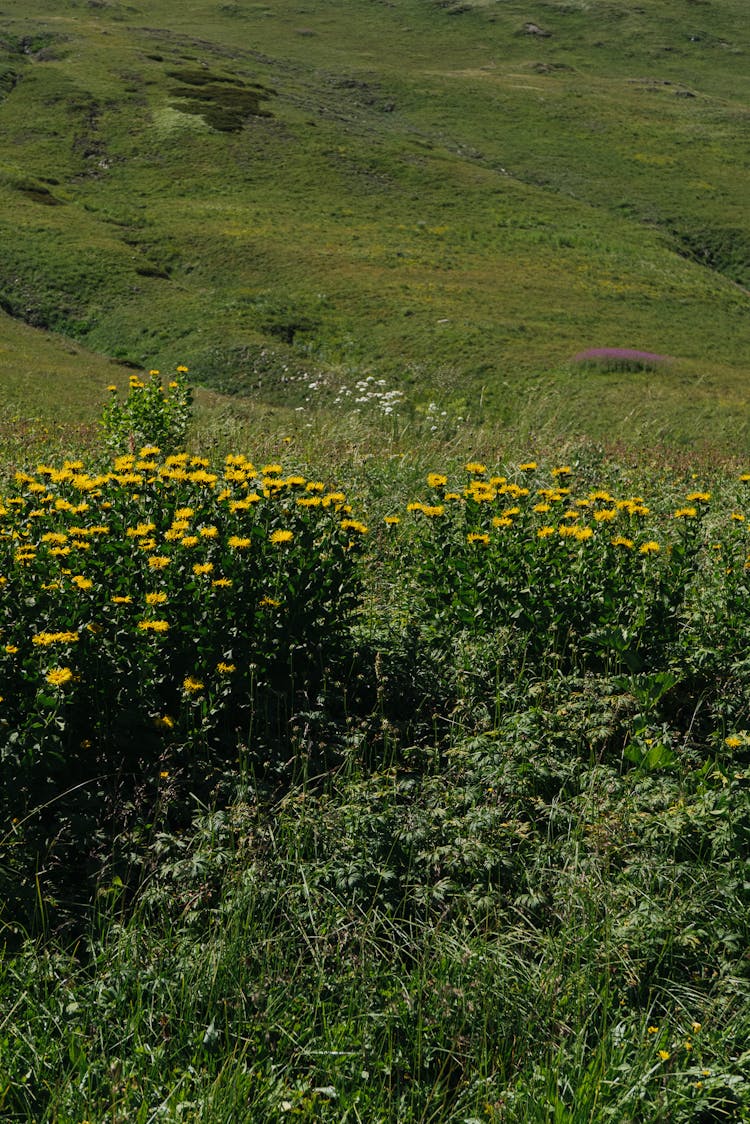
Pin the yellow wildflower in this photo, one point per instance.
(192, 686)
(650, 547)
(44, 639)
(59, 676)
(279, 537)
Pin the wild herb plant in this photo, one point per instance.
(151, 414)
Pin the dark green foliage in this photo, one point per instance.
(224, 103)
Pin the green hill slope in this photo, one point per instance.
(465, 194)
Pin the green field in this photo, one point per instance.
(423, 191)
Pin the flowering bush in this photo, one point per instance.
(578, 576)
(162, 602)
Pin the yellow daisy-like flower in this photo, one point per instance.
(225, 668)
(238, 542)
(44, 639)
(685, 513)
(354, 525)
(502, 521)
(436, 480)
(563, 470)
(478, 537)
(733, 741)
(158, 562)
(622, 541)
(392, 520)
(271, 469)
(203, 568)
(127, 600)
(271, 602)
(208, 532)
(184, 513)
(280, 537)
(222, 583)
(664, 1055)
(155, 598)
(650, 547)
(153, 626)
(11, 649)
(476, 467)
(698, 497)
(545, 532)
(192, 686)
(81, 582)
(189, 540)
(164, 722)
(606, 515)
(59, 676)
(529, 466)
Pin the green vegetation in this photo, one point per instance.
(355, 766)
(434, 808)
(464, 193)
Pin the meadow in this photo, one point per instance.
(413, 793)
(434, 194)
(374, 695)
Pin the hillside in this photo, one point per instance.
(457, 197)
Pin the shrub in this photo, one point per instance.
(152, 414)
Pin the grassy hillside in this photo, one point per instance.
(457, 197)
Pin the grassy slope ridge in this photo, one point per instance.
(426, 191)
